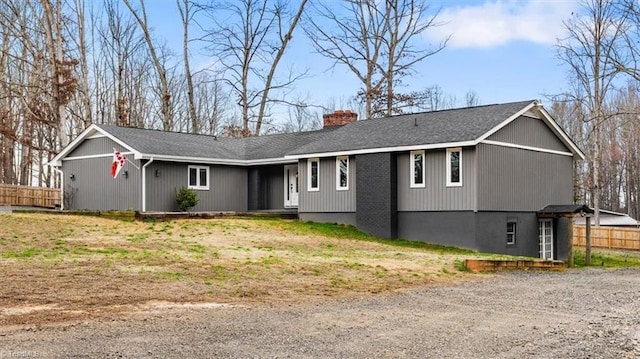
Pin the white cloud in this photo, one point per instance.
(495, 23)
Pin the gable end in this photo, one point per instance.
(530, 132)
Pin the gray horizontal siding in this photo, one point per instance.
(529, 131)
(512, 179)
(94, 189)
(95, 146)
(436, 196)
(327, 199)
(227, 187)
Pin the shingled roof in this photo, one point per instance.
(446, 128)
(427, 128)
(176, 144)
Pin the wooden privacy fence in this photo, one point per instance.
(29, 196)
(608, 237)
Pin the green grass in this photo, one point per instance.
(27, 253)
(137, 238)
(607, 258)
(265, 257)
(340, 231)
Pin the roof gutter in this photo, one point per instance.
(144, 185)
(382, 150)
(216, 161)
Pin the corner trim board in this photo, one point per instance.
(528, 148)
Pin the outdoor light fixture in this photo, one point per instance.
(157, 173)
(72, 177)
(125, 174)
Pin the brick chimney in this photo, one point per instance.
(339, 118)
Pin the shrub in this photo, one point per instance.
(186, 198)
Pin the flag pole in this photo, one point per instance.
(138, 168)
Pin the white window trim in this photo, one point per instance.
(412, 166)
(198, 186)
(448, 174)
(309, 188)
(338, 187)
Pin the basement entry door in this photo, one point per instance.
(545, 233)
(291, 186)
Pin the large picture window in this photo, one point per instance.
(199, 177)
(417, 169)
(313, 174)
(454, 167)
(342, 173)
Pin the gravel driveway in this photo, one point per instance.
(590, 313)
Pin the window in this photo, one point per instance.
(417, 169)
(199, 177)
(454, 167)
(342, 173)
(511, 232)
(313, 174)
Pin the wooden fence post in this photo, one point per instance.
(587, 251)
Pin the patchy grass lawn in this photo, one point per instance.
(607, 258)
(56, 267)
(63, 267)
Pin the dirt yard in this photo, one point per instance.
(86, 287)
(58, 268)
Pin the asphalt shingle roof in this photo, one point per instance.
(447, 126)
(425, 128)
(162, 143)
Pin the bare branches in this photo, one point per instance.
(250, 45)
(161, 71)
(595, 36)
(377, 42)
(186, 15)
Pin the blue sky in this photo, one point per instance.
(502, 50)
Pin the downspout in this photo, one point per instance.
(144, 185)
(61, 186)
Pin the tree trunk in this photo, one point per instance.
(165, 96)
(185, 14)
(284, 41)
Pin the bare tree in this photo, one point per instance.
(471, 99)
(626, 58)
(85, 112)
(302, 117)
(186, 15)
(354, 39)
(249, 44)
(405, 20)
(594, 34)
(377, 42)
(118, 70)
(161, 70)
(63, 82)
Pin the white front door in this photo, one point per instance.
(291, 186)
(545, 233)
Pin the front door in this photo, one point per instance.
(291, 186)
(545, 233)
